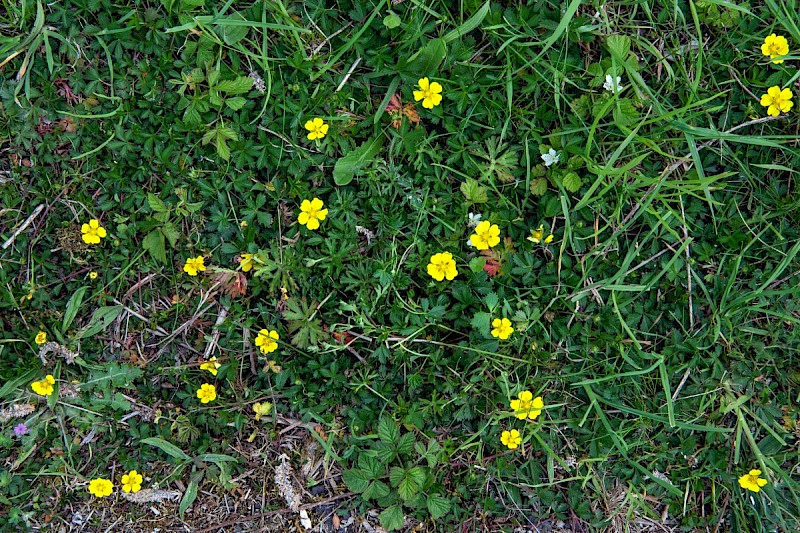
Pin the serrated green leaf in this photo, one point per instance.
(571, 181)
(375, 490)
(477, 263)
(351, 165)
(396, 475)
(539, 186)
(391, 20)
(481, 321)
(166, 447)
(438, 506)
(392, 518)
(171, 233)
(73, 305)
(474, 192)
(156, 204)
(619, 46)
(384, 452)
(240, 85)
(370, 465)
(388, 430)
(356, 479)
(491, 300)
(406, 444)
(188, 497)
(411, 483)
(154, 244)
(236, 103)
(231, 30)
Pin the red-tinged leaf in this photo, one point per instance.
(492, 266)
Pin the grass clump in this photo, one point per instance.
(433, 265)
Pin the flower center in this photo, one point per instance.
(773, 49)
(753, 480)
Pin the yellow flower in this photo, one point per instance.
(428, 93)
(41, 338)
(538, 233)
(194, 265)
(243, 224)
(266, 340)
(502, 328)
(45, 386)
(512, 439)
(273, 366)
(92, 275)
(246, 262)
(752, 482)
(777, 101)
(774, 46)
(262, 409)
(526, 406)
(442, 266)
(132, 481)
(92, 232)
(101, 487)
(486, 235)
(211, 365)
(311, 213)
(317, 129)
(207, 393)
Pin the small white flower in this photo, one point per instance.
(469, 242)
(474, 220)
(613, 85)
(550, 157)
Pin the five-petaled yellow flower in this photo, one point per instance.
(266, 340)
(41, 338)
(512, 439)
(526, 406)
(311, 213)
(774, 46)
(442, 266)
(538, 234)
(92, 275)
(429, 93)
(132, 481)
(93, 232)
(486, 235)
(777, 101)
(211, 365)
(207, 393)
(246, 262)
(752, 482)
(194, 265)
(101, 487)
(45, 386)
(262, 409)
(502, 328)
(317, 129)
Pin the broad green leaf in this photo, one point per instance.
(171, 233)
(481, 320)
(491, 300)
(396, 475)
(571, 181)
(391, 20)
(168, 448)
(392, 518)
(371, 465)
(73, 305)
(427, 61)
(156, 204)
(236, 103)
(477, 263)
(188, 497)
(101, 319)
(388, 431)
(619, 46)
(438, 506)
(376, 490)
(356, 479)
(154, 244)
(470, 24)
(216, 458)
(230, 31)
(474, 192)
(406, 444)
(239, 85)
(538, 186)
(351, 165)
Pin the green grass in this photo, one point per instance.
(659, 326)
